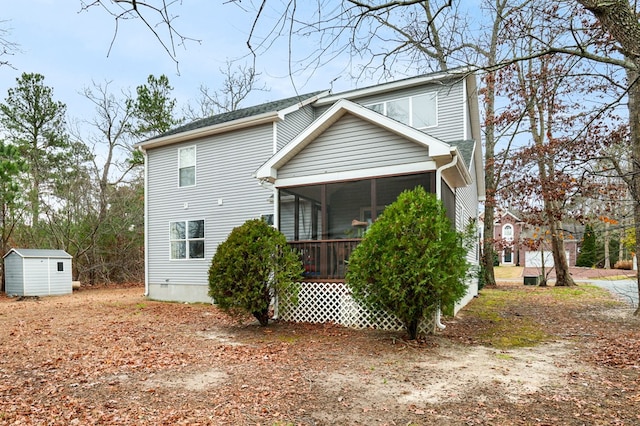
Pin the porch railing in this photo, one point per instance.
(325, 259)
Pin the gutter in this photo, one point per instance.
(439, 171)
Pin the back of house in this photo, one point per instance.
(321, 167)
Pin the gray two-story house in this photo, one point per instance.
(321, 166)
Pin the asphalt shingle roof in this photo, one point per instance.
(466, 150)
(241, 113)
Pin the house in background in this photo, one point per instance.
(322, 166)
(515, 241)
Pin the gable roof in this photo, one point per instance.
(219, 123)
(460, 73)
(39, 253)
(439, 151)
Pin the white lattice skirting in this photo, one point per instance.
(320, 302)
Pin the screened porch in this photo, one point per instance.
(325, 222)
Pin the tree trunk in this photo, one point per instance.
(412, 329)
(634, 135)
(262, 317)
(607, 260)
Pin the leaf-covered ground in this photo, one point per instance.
(517, 355)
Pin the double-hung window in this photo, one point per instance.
(187, 239)
(187, 166)
(419, 111)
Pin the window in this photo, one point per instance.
(507, 231)
(187, 166)
(417, 111)
(60, 267)
(187, 239)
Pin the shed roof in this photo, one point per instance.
(39, 253)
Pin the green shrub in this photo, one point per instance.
(587, 256)
(254, 264)
(410, 260)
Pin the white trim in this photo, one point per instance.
(424, 166)
(146, 222)
(465, 112)
(228, 126)
(187, 239)
(385, 107)
(195, 165)
(437, 148)
(396, 85)
(510, 238)
(274, 146)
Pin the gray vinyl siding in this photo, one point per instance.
(451, 104)
(224, 171)
(13, 271)
(353, 144)
(37, 276)
(467, 209)
(293, 124)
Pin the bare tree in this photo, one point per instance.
(237, 85)
(156, 15)
(7, 47)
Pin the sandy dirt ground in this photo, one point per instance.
(109, 356)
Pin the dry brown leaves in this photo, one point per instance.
(108, 356)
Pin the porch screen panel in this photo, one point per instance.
(449, 201)
(346, 203)
(388, 189)
(300, 213)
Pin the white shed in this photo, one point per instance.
(37, 272)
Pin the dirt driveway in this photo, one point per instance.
(108, 356)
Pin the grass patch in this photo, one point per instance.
(519, 316)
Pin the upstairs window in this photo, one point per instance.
(507, 232)
(187, 166)
(419, 111)
(187, 239)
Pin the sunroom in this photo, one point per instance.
(333, 181)
(336, 177)
(326, 221)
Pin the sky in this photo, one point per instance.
(73, 48)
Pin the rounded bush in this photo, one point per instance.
(410, 260)
(251, 267)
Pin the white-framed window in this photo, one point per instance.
(507, 232)
(187, 166)
(187, 239)
(420, 111)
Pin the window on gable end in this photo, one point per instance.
(424, 111)
(419, 111)
(187, 166)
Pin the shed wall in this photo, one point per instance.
(13, 273)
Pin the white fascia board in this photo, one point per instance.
(424, 166)
(395, 85)
(268, 117)
(268, 170)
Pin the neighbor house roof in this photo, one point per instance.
(219, 123)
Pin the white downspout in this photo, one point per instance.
(146, 224)
(439, 171)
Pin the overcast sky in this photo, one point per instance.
(71, 49)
